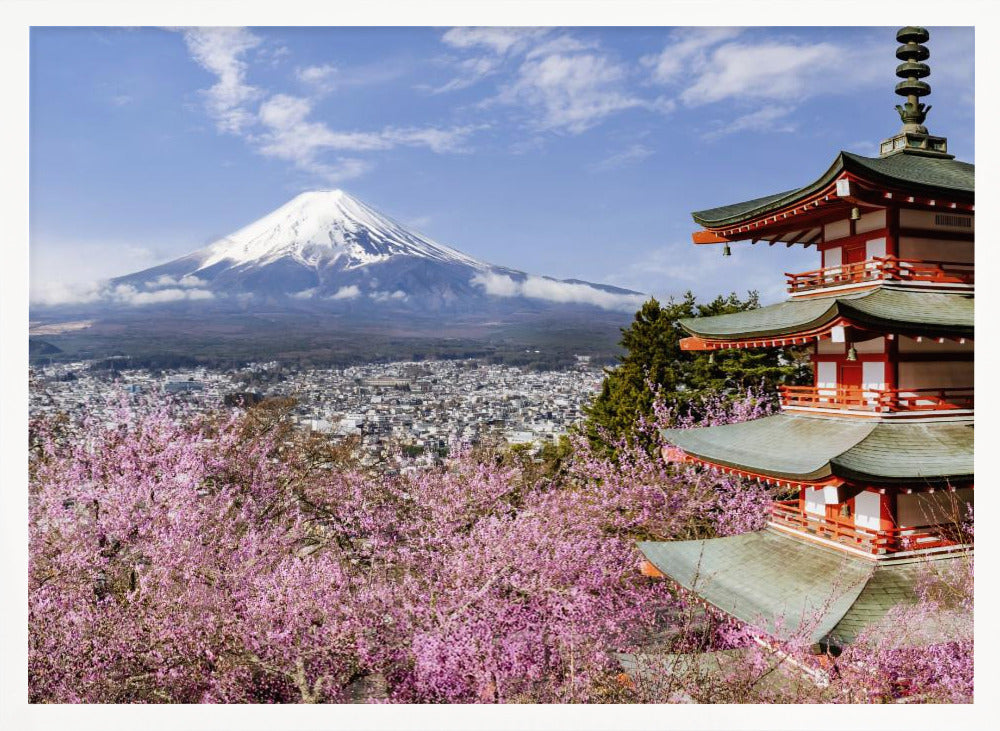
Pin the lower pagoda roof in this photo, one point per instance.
(884, 308)
(791, 588)
(809, 448)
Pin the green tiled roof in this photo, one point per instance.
(899, 451)
(951, 176)
(806, 447)
(921, 174)
(789, 587)
(898, 309)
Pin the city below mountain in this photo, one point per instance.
(325, 265)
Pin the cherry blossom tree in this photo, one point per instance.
(235, 559)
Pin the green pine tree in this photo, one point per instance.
(653, 356)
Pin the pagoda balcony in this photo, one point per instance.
(914, 401)
(788, 515)
(883, 269)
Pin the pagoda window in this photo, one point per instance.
(933, 220)
(826, 377)
(833, 258)
(875, 247)
(872, 221)
(928, 249)
(815, 504)
(935, 508)
(837, 230)
(936, 374)
(868, 510)
(874, 345)
(873, 375)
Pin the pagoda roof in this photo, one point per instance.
(910, 171)
(896, 310)
(791, 588)
(811, 448)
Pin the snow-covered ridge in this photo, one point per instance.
(320, 227)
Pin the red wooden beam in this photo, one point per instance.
(695, 343)
(707, 237)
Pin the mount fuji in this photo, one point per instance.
(327, 277)
(329, 250)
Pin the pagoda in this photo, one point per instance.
(877, 454)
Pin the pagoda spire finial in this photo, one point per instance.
(913, 138)
(912, 53)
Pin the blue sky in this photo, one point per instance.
(569, 152)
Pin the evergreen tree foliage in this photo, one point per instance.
(654, 361)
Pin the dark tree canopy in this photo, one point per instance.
(654, 356)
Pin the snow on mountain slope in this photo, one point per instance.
(321, 227)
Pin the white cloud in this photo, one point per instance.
(220, 51)
(282, 111)
(774, 70)
(571, 93)
(273, 54)
(435, 139)
(63, 293)
(564, 82)
(630, 155)
(304, 294)
(290, 136)
(165, 280)
(501, 285)
(388, 296)
(128, 295)
(686, 49)
(765, 119)
(498, 44)
(281, 127)
(497, 40)
(346, 293)
(762, 78)
(323, 78)
(471, 70)
(71, 269)
(560, 44)
(56, 293)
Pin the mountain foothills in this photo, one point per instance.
(320, 269)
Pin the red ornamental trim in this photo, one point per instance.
(800, 338)
(831, 481)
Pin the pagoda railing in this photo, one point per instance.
(854, 398)
(789, 514)
(883, 268)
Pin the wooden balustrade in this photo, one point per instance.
(878, 400)
(788, 513)
(883, 268)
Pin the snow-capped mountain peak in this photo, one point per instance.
(321, 227)
(330, 249)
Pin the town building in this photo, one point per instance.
(876, 455)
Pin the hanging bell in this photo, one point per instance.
(852, 354)
(726, 251)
